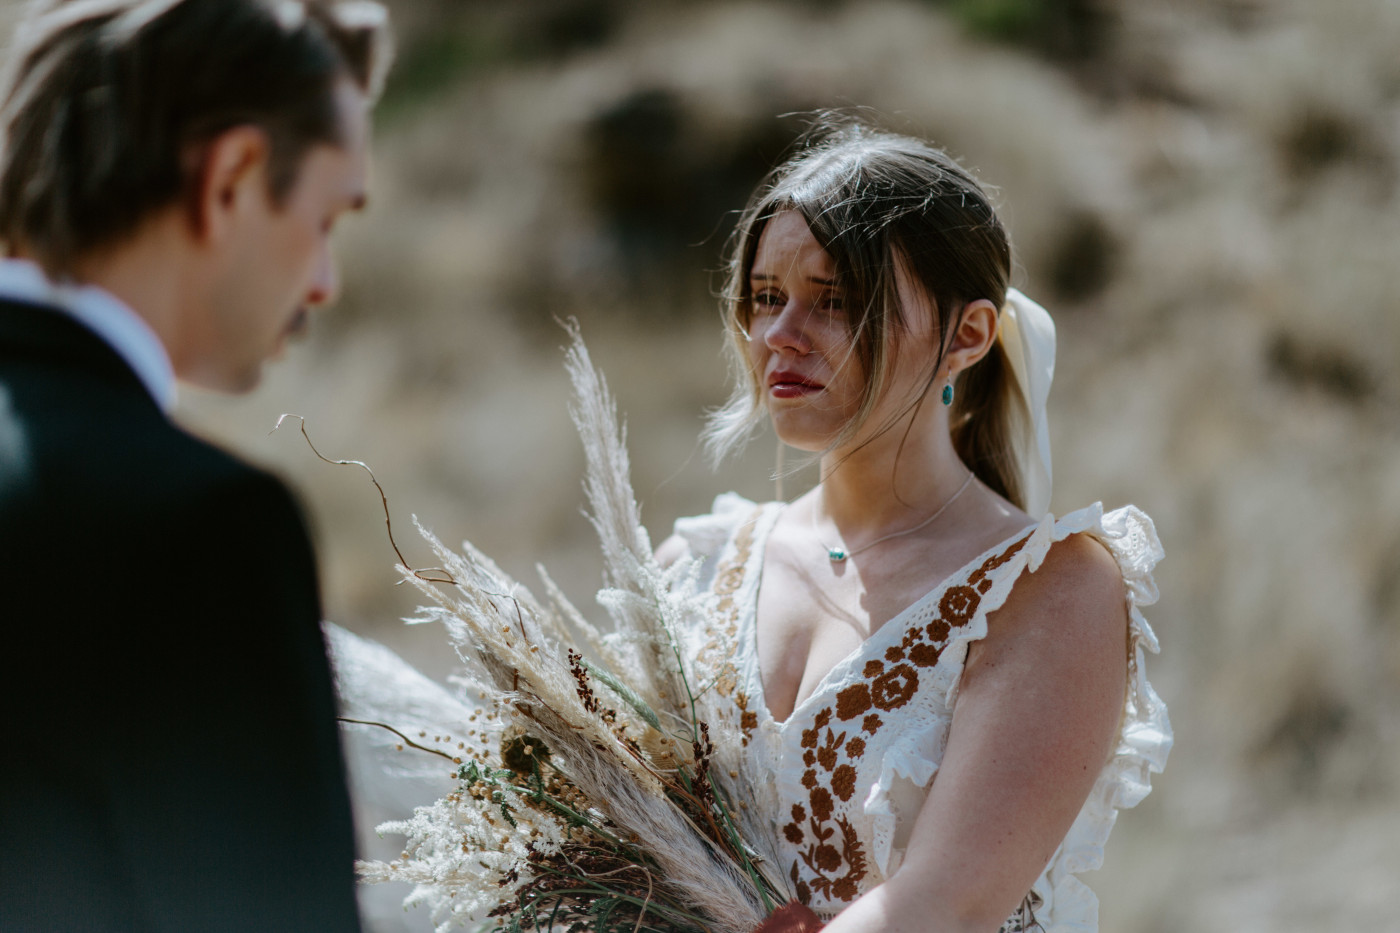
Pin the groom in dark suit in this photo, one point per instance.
(170, 171)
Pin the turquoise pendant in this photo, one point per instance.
(836, 554)
(948, 394)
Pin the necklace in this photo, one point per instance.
(839, 554)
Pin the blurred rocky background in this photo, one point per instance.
(1203, 191)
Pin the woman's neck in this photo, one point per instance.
(901, 475)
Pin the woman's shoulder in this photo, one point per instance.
(1091, 545)
(1079, 568)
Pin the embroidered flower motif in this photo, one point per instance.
(828, 859)
(925, 655)
(852, 702)
(729, 579)
(823, 859)
(717, 654)
(821, 803)
(938, 631)
(843, 781)
(845, 888)
(894, 688)
(748, 719)
(871, 723)
(958, 604)
(873, 668)
(855, 747)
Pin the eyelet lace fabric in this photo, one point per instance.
(846, 774)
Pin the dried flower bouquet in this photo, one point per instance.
(585, 797)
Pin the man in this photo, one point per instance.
(170, 171)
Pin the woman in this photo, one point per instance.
(939, 685)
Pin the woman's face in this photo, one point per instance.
(800, 344)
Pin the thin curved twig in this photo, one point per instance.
(383, 725)
(384, 499)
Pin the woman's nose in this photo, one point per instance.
(788, 329)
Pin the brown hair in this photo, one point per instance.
(876, 201)
(101, 103)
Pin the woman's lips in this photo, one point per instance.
(783, 384)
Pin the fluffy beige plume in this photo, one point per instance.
(647, 603)
(645, 649)
(515, 647)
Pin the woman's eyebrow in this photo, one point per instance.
(814, 279)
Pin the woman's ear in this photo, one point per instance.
(974, 336)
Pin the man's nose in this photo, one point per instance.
(325, 286)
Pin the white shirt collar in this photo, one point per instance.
(121, 328)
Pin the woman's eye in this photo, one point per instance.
(767, 301)
(834, 303)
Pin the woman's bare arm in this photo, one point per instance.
(1035, 721)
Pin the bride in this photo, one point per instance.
(939, 684)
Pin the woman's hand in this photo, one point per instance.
(1037, 712)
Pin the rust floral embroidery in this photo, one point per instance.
(748, 719)
(843, 780)
(958, 604)
(853, 701)
(718, 654)
(894, 688)
(831, 857)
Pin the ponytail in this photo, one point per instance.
(985, 423)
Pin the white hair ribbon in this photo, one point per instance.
(1027, 334)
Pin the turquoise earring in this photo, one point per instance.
(948, 392)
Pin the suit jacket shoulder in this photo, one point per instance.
(176, 764)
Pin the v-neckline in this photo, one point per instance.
(894, 623)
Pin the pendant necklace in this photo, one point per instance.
(839, 554)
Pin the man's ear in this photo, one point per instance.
(975, 334)
(228, 171)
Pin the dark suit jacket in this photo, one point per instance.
(169, 758)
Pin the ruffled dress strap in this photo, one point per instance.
(1145, 734)
(706, 535)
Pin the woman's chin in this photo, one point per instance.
(802, 437)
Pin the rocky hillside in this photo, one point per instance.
(1202, 191)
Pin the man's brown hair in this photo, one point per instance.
(103, 102)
